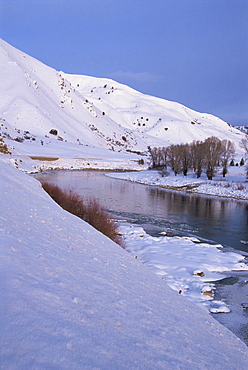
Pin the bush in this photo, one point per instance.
(89, 211)
(241, 187)
(19, 139)
(53, 131)
(242, 162)
(3, 147)
(164, 172)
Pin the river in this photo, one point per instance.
(210, 219)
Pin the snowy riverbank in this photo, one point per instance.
(234, 185)
(73, 299)
(188, 266)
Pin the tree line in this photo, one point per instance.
(198, 156)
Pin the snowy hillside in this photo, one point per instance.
(243, 129)
(43, 110)
(73, 299)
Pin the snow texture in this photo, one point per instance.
(187, 267)
(73, 299)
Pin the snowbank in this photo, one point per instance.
(234, 185)
(73, 299)
(186, 265)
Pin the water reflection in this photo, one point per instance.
(215, 219)
(218, 219)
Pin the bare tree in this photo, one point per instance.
(198, 157)
(164, 157)
(158, 156)
(185, 157)
(174, 161)
(213, 150)
(228, 153)
(153, 153)
(244, 145)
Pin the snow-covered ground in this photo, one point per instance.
(73, 299)
(234, 185)
(187, 266)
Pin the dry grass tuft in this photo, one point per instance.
(40, 158)
(89, 211)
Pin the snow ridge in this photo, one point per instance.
(91, 111)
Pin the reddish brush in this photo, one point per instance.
(90, 211)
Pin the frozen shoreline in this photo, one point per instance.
(234, 185)
(179, 260)
(188, 266)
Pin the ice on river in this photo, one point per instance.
(186, 265)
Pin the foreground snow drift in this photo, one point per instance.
(188, 268)
(72, 299)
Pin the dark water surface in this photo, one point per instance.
(211, 219)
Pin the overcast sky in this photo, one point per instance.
(194, 52)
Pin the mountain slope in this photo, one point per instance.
(92, 111)
(153, 118)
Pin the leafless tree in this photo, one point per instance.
(158, 156)
(185, 157)
(228, 153)
(213, 150)
(174, 160)
(198, 156)
(244, 145)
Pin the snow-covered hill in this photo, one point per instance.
(96, 112)
(242, 129)
(73, 299)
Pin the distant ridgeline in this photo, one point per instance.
(242, 129)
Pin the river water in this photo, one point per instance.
(210, 219)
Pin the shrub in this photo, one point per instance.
(3, 147)
(53, 131)
(241, 187)
(19, 139)
(89, 211)
(164, 172)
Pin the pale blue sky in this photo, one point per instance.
(194, 52)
